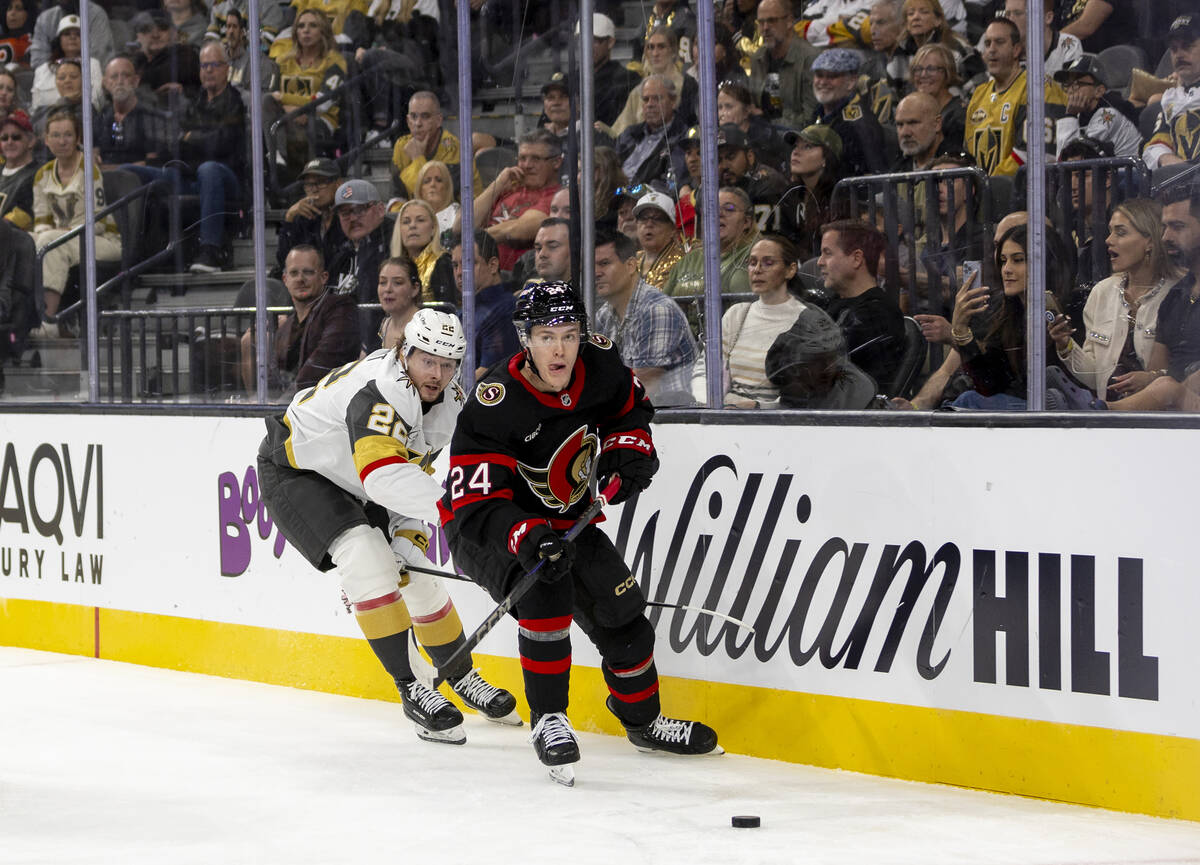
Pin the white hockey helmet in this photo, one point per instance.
(435, 332)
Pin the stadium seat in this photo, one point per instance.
(910, 362)
(1120, 60)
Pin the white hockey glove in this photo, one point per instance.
(409, 541)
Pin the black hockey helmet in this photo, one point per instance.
(548, 303)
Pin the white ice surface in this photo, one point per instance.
(103, 762)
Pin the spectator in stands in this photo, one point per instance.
(556, 106)
(736, 233)
(211, 145)
(671, 14)
(735, 106)
(995, 133)
(925, 24)
(311, 219)
(648, 328)
(100, 38)
(1093, 111)
(662, 244)
(67, 45)
(689, 184)
(934, 72)
(1062, 49)
(168, 67)
(8, 93)
(885, 61)
(919, 132)
(871, 321)
(236, 41)
(958, 236)
(560, 204)
(835, 76)
(1080, 219)
(190, 18)
(609, 178)
(781, 76)
(736, 167)
(495, 336)
(319, 335)
(1178, 113)
(435, 187)
(661, 58)
(1099, 24)
(1116, 357)
(399, 290)
(312, 69)
(514, 204)
(815, 168)
(58, 207)
(366, 233)
(271, 22)
(426, 140)
(652, 149)
(724, 58)
(612, 81)
(552, 250)
(126, 131)
(17, 18)
(416, 235)
(749, 329)
(16, 178)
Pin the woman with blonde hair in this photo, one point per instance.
(934, 71)
(925, 24)
(1116, 357)
(435, 187)
(416, 237)
(660, 56)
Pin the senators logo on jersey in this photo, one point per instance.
(564, 481)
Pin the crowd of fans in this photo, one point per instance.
(809, 94)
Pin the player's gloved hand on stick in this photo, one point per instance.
(545, 546)
(408, 546)
(635, 468)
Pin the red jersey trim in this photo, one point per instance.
(504, 460)
(520, 531)
(552, 400)
(378, 464)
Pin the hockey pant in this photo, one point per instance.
(606, 602)
(331, 529)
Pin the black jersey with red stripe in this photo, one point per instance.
(520, 456)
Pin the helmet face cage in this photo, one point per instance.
(548, 304)
(437, 333)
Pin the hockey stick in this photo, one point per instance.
(462, 578)
(524, 584)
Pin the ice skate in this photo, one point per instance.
(435, 717)
(556, 746)
(673, 736)
(494, 704)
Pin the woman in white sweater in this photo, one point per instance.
(749, 329)
(1121, 313)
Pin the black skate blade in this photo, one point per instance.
(564, 774)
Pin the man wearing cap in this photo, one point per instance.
(1176, 135)
(556, 106)
(737, 166)
(835, 80)
(100, 38)
(16, 179)
(649, 329)
(311, 220)
(814, 167)
(367, 230)
(661, 241)
(165, 65)
(995, 131)
(781, 76)
(1093, 111)
(427, 141)
(612, 81)
(652, 149)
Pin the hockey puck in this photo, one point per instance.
(746, 822)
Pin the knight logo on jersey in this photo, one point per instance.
(564, 481)
(1185, 132)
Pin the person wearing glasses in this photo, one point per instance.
(16, 178)
(925, 24)
(426, 140)
(367, 229)
(47, 90)
(653, 149)
(1093, 111)
(736, 233)
(934, 73)
(126, 132)
(512, 207)
(311, 219)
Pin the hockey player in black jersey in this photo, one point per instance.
(346, 475)
(525, 450)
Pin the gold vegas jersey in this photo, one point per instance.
(363, 427)
(995, 129)
(1176, 126)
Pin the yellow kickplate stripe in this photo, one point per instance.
(1126, 771)
(383, 621)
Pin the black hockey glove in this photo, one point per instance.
(544, 547)
(630, 455)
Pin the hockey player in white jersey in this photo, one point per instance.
(346, 474)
